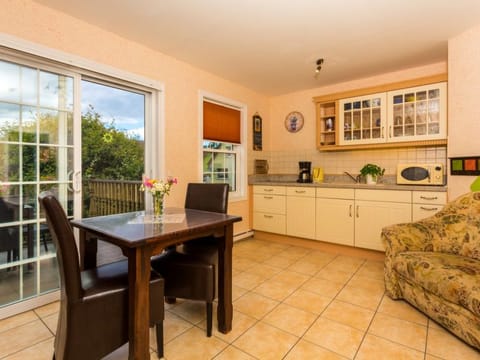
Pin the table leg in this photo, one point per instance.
(225, 307)
(139, 302)
(88, 250)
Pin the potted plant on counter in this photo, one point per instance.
(371, 172)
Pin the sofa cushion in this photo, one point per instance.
(452, 277)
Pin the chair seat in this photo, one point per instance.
(110, 277)
(187, 275)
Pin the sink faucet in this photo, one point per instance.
(354, 178)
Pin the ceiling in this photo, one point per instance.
(271, 46)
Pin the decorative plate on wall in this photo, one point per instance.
(294, 121)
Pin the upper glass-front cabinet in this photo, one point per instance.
(363, 119)
(418, 113)
(410, 114)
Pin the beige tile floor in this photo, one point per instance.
(290, 302)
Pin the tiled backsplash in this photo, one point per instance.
(286, 162)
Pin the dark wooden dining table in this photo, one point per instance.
(140, 238)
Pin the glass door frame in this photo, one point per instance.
(27, 53)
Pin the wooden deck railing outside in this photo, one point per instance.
(114, 197)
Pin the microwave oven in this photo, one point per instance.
(420, 174)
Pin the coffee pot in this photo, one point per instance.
(304, 175)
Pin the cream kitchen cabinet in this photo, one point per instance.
(427, 203)
(301, 212)
(407, 115)
(418, 113)
(375, 209)
(269, 209)
(335, 215)
(363, 119)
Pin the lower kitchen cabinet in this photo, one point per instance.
(269, 212)
(375, 209)
(427, 203)
(334, 216)
(353, 217)
(301, 212)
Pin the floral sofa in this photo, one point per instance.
(434, 264)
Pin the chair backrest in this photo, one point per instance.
(67, 254)
(207, 197)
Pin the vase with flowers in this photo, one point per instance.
(158, 189)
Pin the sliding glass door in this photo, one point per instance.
(36, 154)
(80, 137)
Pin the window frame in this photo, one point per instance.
(241, 164)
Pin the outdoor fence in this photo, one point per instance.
(114, 197)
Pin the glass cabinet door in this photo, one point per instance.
(418, 113)
(362, 119)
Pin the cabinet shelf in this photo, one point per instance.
(326, 123)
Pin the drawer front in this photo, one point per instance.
(268, 189)
(384, 195)
(429, 197)
(335, 193)
(422, 211)
(274, 223)
(300, 191)
(275, 204)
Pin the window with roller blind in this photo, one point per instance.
(222, 148)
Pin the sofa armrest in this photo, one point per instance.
(399, 238)
(415, 236)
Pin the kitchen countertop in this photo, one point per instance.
(339, 181)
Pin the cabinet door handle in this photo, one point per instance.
(267, 216)
(428, 197)
(429, 209)
(357, 213)
(300, 191)
(350, 211)
(383, 128)
(390, 131)
(268, 197)
(268, 190)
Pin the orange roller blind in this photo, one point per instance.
(221, 123)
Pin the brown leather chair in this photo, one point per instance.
(93, 318)
(9, 241)
(189, 270)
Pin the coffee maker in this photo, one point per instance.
(304, 175)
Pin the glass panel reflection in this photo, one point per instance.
(10, 80)
(9, 158)
(9, 284)
(29, 168)
(30, 287)
(9, 122)
(9, 241)
(56, 91)
(29, 124)
(49, 276)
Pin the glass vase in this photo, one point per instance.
(158, 205)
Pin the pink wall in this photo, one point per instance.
(39, 24)
(464, 109)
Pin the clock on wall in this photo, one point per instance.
(294, 121)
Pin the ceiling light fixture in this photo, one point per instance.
(319, 66)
